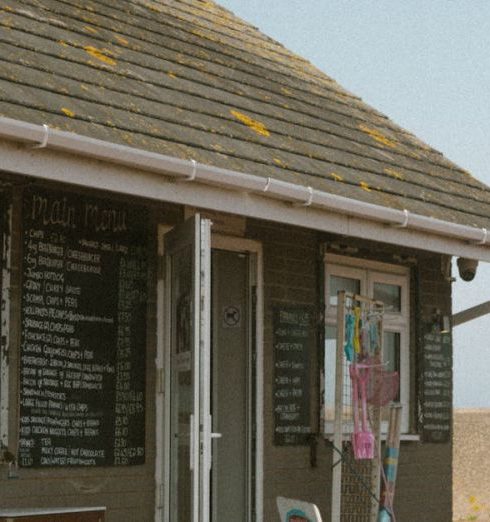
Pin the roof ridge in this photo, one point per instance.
(274, 45)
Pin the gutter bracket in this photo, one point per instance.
(267, 185)
(309, 201)
(192, 175)
(44, 142)
(484, 239)
(404, 223)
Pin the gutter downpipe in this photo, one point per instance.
(42, 136)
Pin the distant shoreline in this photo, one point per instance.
(471, 410)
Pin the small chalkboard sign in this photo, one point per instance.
(82, 356)
(294, 342)
(436, 384)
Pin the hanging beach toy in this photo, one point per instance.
(349, 336)
(363, 440)
(357, 326)
(383, 385)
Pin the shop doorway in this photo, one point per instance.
(232, 401)
(212, 406)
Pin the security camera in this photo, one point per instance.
(467, 268)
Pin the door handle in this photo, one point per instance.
(216, 435)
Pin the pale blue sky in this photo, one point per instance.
(426, 64)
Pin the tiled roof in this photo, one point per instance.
(187, 78)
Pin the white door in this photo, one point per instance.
(188, 273)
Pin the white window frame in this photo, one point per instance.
(370, 272)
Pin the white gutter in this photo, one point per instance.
(40, 136)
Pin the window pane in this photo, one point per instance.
(390, 295)
(337, 283)
(329, 385)
(391, 354)
(330, 343)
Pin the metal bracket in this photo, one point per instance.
(404, 223)
(44, 142)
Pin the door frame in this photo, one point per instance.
(162, 374)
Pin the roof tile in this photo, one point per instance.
(189, 79)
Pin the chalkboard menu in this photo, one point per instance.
(82, 359)
(294, 341)
(436, 385)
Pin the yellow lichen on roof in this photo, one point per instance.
(255, 125)
(153, 7)
(378, 136)
(97, 53)
(393, 173)
(121, 40)
(364, 186)
(336, 177)
(279, 162)
(171, 74)
(205, 35)
(90, 29)
(67, 112)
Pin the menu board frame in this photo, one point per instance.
(435, 385)
(83, 330)
(294, 342)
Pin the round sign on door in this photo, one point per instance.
(232, 316)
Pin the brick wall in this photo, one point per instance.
(292, 275)
(128, 492)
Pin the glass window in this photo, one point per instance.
(391, 349)
(390, 295)
(330, 343)
(391, 354)
(390, 285)
(337, 283)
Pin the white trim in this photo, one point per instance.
(404, 437)
(379, 266)
(203, 296)
(356, 218)
(162, 419)
(402, 318)
(410, 437)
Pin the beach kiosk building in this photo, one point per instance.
(181, 199)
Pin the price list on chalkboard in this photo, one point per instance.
(294, 341)
(82, 359)
(436, 385)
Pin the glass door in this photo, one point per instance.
(187, 267)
